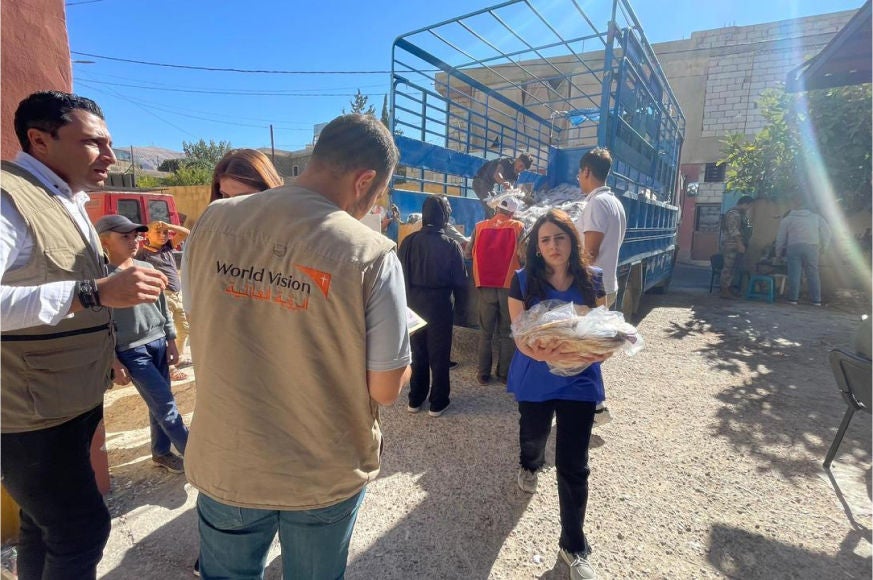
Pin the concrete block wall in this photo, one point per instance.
(745, 61)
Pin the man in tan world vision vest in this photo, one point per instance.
(298, 320)
(57, 339)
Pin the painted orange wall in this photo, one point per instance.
(34, 56)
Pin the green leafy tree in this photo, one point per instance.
(203, 153)
(149, 181)
(359, 105)
(840, 120)
(190, 174)
(198, 164)
(809, 138)
(170, 165)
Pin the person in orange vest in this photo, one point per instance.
(494, 249)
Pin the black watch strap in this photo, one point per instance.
(87, 293)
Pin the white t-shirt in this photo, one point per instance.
(604, 213)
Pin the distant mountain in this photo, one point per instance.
(146, 157)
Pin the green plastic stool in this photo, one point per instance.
(769, 292)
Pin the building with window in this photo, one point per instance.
(717, 76)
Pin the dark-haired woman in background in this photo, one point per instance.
(555, 269)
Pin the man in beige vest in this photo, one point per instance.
(57, 341)
(299, 333)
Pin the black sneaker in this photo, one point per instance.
(196, 569)
(171, 462)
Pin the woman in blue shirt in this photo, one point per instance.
(555, 269)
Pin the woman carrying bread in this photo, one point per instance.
(556, 270)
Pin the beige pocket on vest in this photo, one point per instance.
(66, 383)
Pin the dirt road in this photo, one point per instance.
(711, 467)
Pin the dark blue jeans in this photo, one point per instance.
(64, 521)
(574, 422)
(150, 373)
(234, 541)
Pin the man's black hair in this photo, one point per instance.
(599, 161)
(526, 159)
(49, 111)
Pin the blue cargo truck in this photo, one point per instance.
(552, 80)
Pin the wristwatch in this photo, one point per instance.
(87, 292)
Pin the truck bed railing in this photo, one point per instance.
(553, 77)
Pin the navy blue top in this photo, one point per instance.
(391, 230)
(530, 380)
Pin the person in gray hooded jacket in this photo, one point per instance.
(803, 236)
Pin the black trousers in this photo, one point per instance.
(431, 347)
(574, 422)
(64, 521)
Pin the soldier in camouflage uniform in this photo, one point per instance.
(735, 236)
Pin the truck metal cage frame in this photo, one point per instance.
(550, 79)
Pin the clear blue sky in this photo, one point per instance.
(160, 106)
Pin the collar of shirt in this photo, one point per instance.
(596, 191)
(49, 178)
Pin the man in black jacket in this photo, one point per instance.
(433, 265)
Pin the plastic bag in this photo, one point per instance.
(576, 329)
(494, 199)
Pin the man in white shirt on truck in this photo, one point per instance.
(601, 227)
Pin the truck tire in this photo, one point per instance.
(662, 288)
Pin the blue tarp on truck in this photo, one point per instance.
(553, 81)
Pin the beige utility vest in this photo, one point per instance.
(50, 374)
(277, 287)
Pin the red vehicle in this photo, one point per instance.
(139, 206)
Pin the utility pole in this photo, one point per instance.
(272, 145)
(132, 168)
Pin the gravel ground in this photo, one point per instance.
(711, 467)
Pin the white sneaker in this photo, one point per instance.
(580, 569)
(433, 413)
(527, 480)
(412, 409)
(602, 417)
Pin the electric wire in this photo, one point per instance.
(164, 109)
(253, 91)
(233, 70)
(219, 92)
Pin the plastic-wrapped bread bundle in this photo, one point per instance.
(494, 199)
(571, 329)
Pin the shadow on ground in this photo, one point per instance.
(737, 553)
